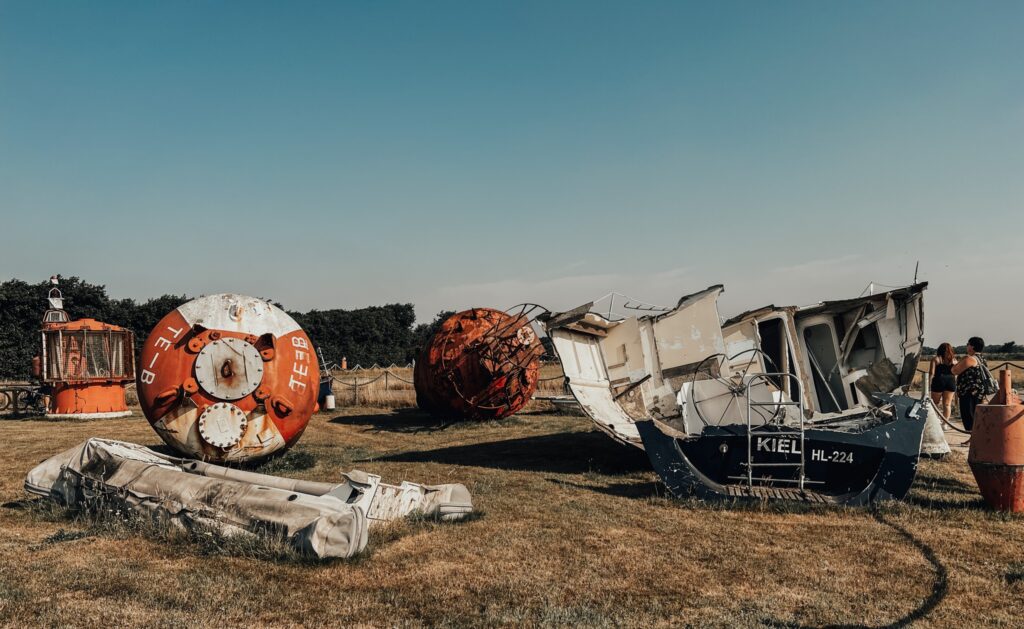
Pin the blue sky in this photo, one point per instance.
(452, 154)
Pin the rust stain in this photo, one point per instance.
(481, 364)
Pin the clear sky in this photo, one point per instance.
(450, 154)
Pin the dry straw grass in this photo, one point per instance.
(575, 530)
(375, 388)
(392, 388)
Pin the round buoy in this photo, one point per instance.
(996, 455)
(480, 364)
(228, 378)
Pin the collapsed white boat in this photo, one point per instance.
(324, 520)
(759, 389)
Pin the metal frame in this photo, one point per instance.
(498, 351)
(108, 336)
(799, 404)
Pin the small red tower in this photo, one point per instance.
(86, 362)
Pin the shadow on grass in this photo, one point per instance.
(283, 461)
(639, 489)
(1015, 573)
(404, 420)
(647, 490)
(940, 583)
(36, 417)
(941, 483)
(943, 494)
(973, 503)
(562, 453)
(293, 460)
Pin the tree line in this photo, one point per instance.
(378, 334)
(1009, 350)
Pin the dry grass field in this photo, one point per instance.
(572, 530)
(393, 387)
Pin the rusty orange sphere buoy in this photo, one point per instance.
(228, 378)
(996, 455)
(480, 364)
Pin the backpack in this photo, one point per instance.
(988, 383)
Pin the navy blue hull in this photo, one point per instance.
(841, 466)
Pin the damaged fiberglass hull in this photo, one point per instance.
(794, 391)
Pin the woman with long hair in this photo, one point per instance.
(943, 382)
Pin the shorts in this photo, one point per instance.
(943, 384)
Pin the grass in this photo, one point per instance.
(111, 521)
(574, 530)
(393, 388)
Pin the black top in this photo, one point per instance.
(942, 369)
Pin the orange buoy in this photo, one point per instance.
(996, 456)
(481, 364)
(86, 363)
(228, 378)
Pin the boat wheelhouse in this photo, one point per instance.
(803, 403)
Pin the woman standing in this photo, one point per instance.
(970, 381)
(943, 382)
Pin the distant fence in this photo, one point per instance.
(393, 387)
(1016, 368)
(373, 367)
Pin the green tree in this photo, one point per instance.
(423, 332)
(378, 334)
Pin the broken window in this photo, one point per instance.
(822, 352)
(775, 345)
(867, 348)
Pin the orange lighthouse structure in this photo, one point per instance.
(85, 362)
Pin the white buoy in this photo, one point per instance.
(329, 402)
(933, 441)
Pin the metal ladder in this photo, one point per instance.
(796, 391)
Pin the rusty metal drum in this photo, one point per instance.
(228, 378)
(996, 456)
(481, 364)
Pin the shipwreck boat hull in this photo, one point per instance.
(845, 467)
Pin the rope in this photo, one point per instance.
(401, 379)
(551, 378)
(375, 367)
(942, 418)
(357, 384)
(1006, 364)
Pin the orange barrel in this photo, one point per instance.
(997, 449)
(480, 364)
(228, 378)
